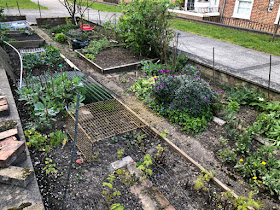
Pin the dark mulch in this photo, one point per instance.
(116, 56)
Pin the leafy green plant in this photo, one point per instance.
(261, 169)
(109, 191)
(95, 46)
(164, 132)
(150, 68)
(95, 157)
(120, 153)
(242, 203)
(144, 27)
(50, 167)
(243, 95)
(36, 139)
(159, 158)
(227, 155)
(144, 166)
(61, 38)
(116, 206)
(90, 56)
(204, 178)
(124, 80)
(268, 123)
(233, 106)
(48, 98)
(57, 137)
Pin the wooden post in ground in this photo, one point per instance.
(276, 29)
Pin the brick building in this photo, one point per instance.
(261, 11)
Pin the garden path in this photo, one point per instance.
(246, 63)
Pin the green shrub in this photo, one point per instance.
(95, 46)
(188, 93)
(150, 68)
(61, 38)
(144, 26)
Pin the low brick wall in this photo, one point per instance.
(13, 18)
(51, 21)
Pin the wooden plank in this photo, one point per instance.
(188, 158)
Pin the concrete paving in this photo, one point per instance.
(56, 9)
(246, 63)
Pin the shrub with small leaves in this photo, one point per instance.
(61, 38)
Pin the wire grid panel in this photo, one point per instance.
(83, 141)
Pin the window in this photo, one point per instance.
(243, 9)
(277, 16)
(270, 6)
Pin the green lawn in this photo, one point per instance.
(23, 4)
(105, 7)
(242, 38)
(102, 7)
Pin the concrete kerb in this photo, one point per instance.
(13, 196)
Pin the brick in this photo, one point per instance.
(121, 163)
(16, 176)
(8, 133)
(159, 197)
(10, 149)
(219, 121)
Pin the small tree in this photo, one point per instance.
(70, 5)
(144, 26)
(76, 7)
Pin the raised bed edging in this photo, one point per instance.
(177, 149)
(116, 69)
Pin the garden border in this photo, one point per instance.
(177, 149)
(115, 69)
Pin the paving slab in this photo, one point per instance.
(18, 176)
(10, 150)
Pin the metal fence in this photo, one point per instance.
(248, 24)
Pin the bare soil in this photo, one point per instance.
(23, 37)
(115, 56)
(202, 147)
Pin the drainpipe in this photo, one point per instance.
(221, 18)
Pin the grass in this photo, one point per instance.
(23, 4)
(245, 39)
(105, 7)
(102, 7)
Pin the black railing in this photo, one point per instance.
(248, 24)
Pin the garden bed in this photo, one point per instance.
(25, 40)
(114, 60)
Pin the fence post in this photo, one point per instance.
(99, 17)
(7, 5)
(73, 151)
(214, 65)
(18, 8)
(275, 31)
(269, 77)
(39, 9)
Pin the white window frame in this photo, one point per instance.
(277, 16)
(242, 16)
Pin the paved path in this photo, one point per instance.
(247, 63)
(56, 9)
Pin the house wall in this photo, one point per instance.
(259, 12)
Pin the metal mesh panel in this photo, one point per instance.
(102, 120)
